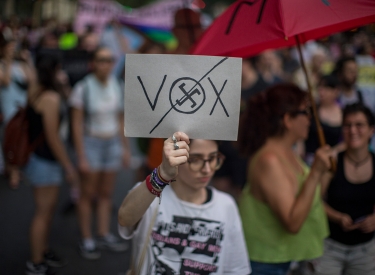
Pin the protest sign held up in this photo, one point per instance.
(199, 95)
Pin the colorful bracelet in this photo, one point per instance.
(151, 188)
(156, 179)
(161, 178)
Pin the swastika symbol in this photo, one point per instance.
(189, 90)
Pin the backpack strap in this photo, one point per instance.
(360, 96)
(86, 101)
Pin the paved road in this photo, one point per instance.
(16, 210)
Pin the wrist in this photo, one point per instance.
(164, 175)
(315, 175)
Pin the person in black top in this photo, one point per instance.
(330, 117)
(350, 200)
(46, 164)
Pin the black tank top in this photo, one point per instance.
(37, 129)
(356, 200)
(332, 135)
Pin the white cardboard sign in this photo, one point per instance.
(198, 95)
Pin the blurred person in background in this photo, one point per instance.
(330, 117)
(269, 66)
(89, 40)
(45, 168)
(101, 148)
(16, 73)
(251, 81)
(187, 29)
(314, 69)
(17, 70)
(281, 206)
(347, 72)
(350, 200)
(114, 39)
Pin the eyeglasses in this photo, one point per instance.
(358, 125)
(197, 163)
(305, 112)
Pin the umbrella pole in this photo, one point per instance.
(319, 128)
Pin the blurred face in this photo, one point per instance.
(317, 61)
(356, 131)
(298, 122)
(349, 73)
(327, 95)
(103, 63)
(204, 160)
(10, 49)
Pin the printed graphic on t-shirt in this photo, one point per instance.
(186, 246)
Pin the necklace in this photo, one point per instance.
(357, 163)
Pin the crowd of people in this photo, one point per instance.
(270, 203)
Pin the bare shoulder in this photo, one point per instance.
(50, 97)
(267, 160)
(48, 100)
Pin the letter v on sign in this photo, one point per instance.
(157, 95)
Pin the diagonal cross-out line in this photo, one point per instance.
(206, 74)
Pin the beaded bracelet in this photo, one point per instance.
(151, 188)
(155, 183)
(161, 178)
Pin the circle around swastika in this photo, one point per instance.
(182, 99)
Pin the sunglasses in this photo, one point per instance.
(305, 112)
(105, 60)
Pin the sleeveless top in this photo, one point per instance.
(269, 242)
(332, 135)
(356, 200)
(37, 129)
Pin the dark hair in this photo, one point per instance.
(46, 67)
(4, 41)
(263, 116)
(340, 64)
(329, 81)
(359, 108)
(149, 44)
(94, 54)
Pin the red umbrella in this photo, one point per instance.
(248, 27)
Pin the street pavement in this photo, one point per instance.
(16, 210)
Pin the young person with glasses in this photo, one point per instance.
(197, 229)
(280, 206)
(350, 201)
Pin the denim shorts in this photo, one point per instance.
(103, 154)
(346, 259)
(42, 172)
(258, 268)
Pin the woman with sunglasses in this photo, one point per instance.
(192, 228)
(280, 206)
(350, 201)
(101, 148)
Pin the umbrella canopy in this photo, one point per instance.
(248, 27)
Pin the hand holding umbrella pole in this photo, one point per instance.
(319, 128)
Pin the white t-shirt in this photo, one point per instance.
(102, 104)
(190, 239)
